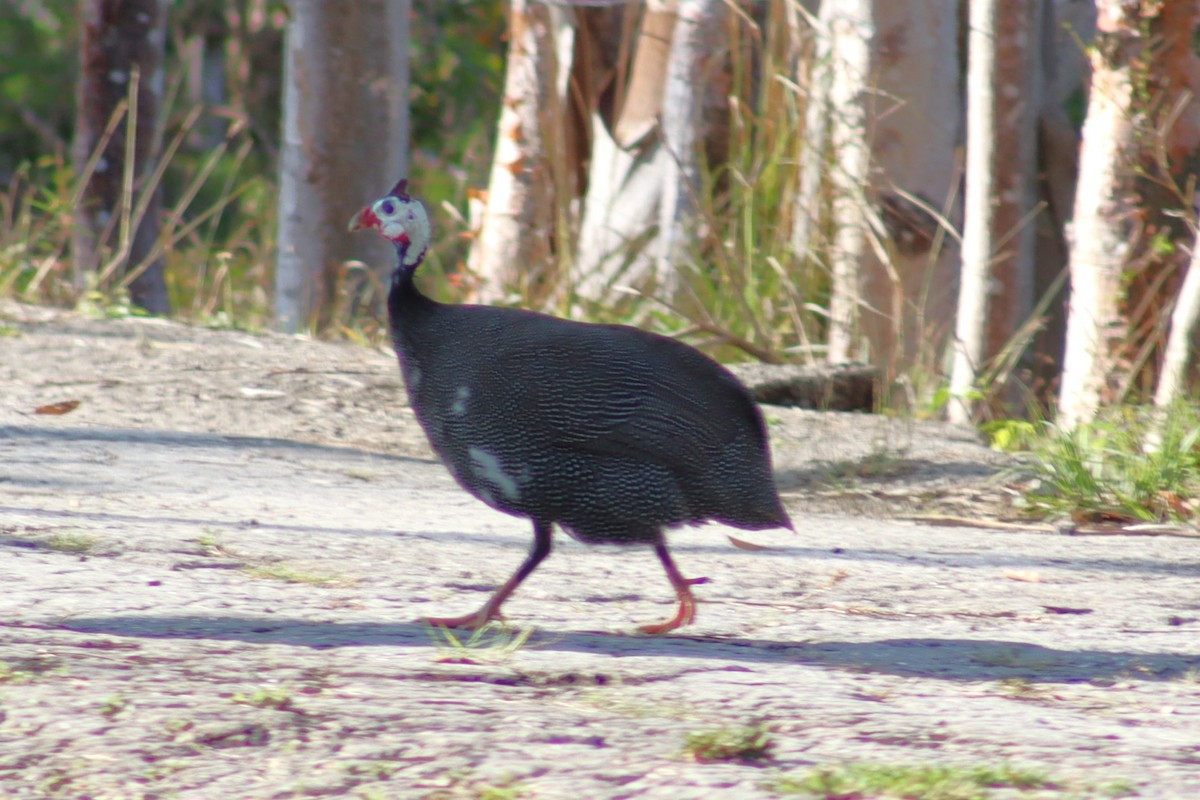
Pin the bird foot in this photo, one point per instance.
(471, 622)
(685, 616)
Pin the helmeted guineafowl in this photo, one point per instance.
(608, 431)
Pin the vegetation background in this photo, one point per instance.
(786, 180)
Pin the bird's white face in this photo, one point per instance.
(400, 220)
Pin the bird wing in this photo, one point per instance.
(616, 391)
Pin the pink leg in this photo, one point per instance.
(491, 609)
(683, 590)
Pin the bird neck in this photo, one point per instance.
(408, 308)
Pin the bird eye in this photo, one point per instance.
(387, 207)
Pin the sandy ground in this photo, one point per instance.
(212, 569)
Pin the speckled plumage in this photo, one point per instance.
(608, 431)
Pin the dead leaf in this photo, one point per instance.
(58, 409)
(742, 544)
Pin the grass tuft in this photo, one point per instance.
(1130, 465)
(278, 698)
(493, 643)
(741, 743)
(904, 782)
(282, 572)
(73, 543)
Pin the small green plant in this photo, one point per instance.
(73, 543)
(1131, 464)
(1011, 435)
(279, 698)
(113, 705)
(24, 670)
(211, 545)
(465, 787)
(282, 572)
(745, 743)
(498, 792)
(493, 643)
(903, 782)
(177, 725)
(1116, 789)
(163, 769)
(373, 770)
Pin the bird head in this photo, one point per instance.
(401, 220)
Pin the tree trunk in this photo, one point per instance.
(1104, 224)
(850, 26)
(625, 170)
(1064, 25)
(814, 148)
(345, 140)
(1179, 69)
(891, 72)
(909, 282)
(696, 64)
(1171, 380)
(513, 247)
(996, 292)
(117, 220)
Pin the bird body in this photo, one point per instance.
(611, 432)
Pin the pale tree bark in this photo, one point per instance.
(1172, 383)
(814, 147)
(1065, 25)
(345, 141)
(624, 184)
(850, 26)
(116, 232)
(909, 281)
(1104, 224)
(996, 290)
(1180, 71)
(513, 248)
(891, 73)
(1178, 68)
(696, 63)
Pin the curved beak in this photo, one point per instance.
(362, 220)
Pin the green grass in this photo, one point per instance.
(465, 786)
(24, 670)
(740, 743)
(492, 644)
(744, 292)
(113, 705)
(72, 543)
(287, 574)
(1132, 464)
(278, 697)
(859, 781)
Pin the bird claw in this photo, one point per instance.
(684, 616)
(471, 622)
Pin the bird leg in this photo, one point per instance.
(491, 609)
(683, 590)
